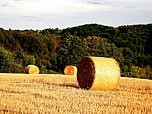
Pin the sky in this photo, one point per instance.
(42, 14)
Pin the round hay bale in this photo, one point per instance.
(98, 73)
(70, 70)
(32, 69)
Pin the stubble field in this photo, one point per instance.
(60, 94)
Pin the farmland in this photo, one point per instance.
(60, 94)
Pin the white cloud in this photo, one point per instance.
(57, 13)
(130, 4)
(37, 7)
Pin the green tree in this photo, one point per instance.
(6, 59)
(9, 64)
(71, 50)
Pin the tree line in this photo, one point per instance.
(53, 49)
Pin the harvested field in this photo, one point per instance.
(59, 94)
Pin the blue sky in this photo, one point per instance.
(42, 14)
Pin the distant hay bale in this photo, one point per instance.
(70, 70)
(98, 73)
(32, 69)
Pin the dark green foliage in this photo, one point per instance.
(7, 62)
(5, 59)
(48, 31)
(71, 50)
(90, 30)
(52, 49)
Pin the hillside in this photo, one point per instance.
(44, 93)
(53, 49)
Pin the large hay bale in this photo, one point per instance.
(32, 69)
(98, 73)
(70, 70)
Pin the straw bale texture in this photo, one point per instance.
(98, 73)
(32, 69)
(70, 70)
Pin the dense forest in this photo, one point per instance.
(53, 49)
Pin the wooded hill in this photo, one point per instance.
(53, 49)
